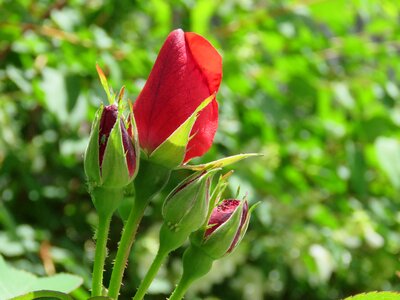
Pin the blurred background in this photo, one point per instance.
(314, 85)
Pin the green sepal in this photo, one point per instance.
(218, 243)
(220, 163)
(115, 173)
(104, 83)
(171, 152)
(217, 193)
(187, 205)
(91, 161)
(245, 225)
(120, 94)
(135, 139)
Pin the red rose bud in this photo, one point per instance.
(187, 71)
(226, 227)
(186, 207)
(112, 154)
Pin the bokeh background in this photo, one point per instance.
(313, 85)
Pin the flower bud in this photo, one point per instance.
(226, 227)
(172, 129)
(186, 207)
(112, 154)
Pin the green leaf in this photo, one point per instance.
(220, 162)
(388, 154)
(17, 76)
(15, 282)
(172, 151)
(55, 93)
(44, 294)
(375, 296)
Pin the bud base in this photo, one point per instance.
(106, 200)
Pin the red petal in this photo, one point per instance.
(187, 71)
(129, 149)
(221, 214)
(207, 58)
(107, 121)
(204, 131)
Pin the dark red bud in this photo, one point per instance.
(221, 214)
(107, 121)
(108, 118)
(129, 150)
(130, 128)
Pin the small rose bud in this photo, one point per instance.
(226, 227)
(186, 207)
(112, 154)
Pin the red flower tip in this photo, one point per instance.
(188, 70)
(107, 121)
(129, 148)
(222, 213)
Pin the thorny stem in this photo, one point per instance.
(100, 254)
(124, 248)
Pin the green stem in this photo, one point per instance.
(124, 248)
(100, 254)
(149, 181)
(147, 280)
(195, 265)
(180, 289)
(169, 241)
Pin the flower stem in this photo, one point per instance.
(155, 266)
(195, 265)
(180, 289)
(124, 248)
(100, 254)
(145, 190)
(169, 241)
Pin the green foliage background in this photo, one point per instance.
(314, 85)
